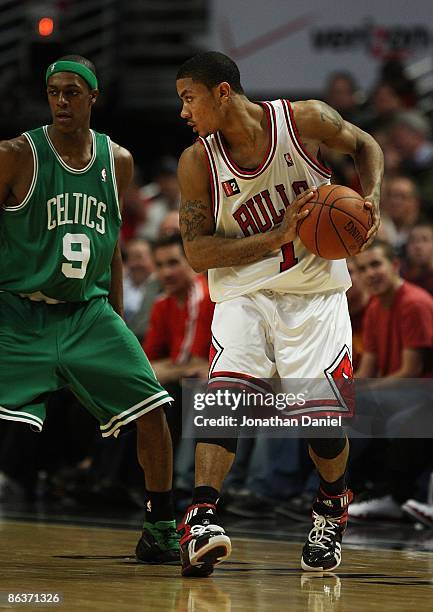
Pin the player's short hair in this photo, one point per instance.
(387, 249)
(169, 240)
(80, 60)
(212, 68)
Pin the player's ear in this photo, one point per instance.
(224, 91)
(94, 96)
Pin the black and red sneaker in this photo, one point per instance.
(322, 551)
(203, 542)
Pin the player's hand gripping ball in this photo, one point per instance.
(338, 222)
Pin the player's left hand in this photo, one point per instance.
(372, 203)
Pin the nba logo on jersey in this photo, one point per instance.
(288, 159)
(231, 187)
(104, 175)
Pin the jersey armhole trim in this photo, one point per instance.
(294, 135)
(113, 176)
(34, 177)
(213, 176)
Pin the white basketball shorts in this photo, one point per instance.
(267, 335)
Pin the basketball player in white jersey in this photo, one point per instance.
(280, 310)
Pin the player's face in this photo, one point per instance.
(172, 268)
(70, 101)
(199, 106)
(376, 271)
(420, 246)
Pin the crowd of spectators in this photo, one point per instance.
(168, 308)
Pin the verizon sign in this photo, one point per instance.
(375, 39)
(292, 45)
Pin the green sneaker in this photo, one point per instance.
(159, 543)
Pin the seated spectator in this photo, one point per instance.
(162, 195)
(386, 103)
(398, 344)
(411, 136)
(170, 224)
(391, 156)
(134, 209)
(179, 333)
(400, 203)
(140, 285)
(394, 72)
(418, 264)
(343, 94)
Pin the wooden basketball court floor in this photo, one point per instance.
(384, 568)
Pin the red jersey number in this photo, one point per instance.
(289, 259)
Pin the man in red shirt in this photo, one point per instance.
(398, 326)
(398, 344)
(179, 333)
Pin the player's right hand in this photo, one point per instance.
(288, 228)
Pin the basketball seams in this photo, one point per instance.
(336, 230)
(346, 212)
(330, 191)
(343, 212)
(348, 218)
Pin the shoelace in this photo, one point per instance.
(198, 530)
(323, 528)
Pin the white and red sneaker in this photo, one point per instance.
(203, 542)
(419, 511)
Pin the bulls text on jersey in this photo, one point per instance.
(259, 213)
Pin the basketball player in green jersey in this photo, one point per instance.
(61, 289)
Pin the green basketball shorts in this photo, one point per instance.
(84, 346)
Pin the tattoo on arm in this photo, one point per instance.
(192, 218)
(331, 116)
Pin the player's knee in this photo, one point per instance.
(328, 448)
(230, 444)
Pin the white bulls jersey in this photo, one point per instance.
(247, 202)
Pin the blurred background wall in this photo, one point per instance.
(284, 48)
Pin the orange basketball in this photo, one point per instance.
(338, 222)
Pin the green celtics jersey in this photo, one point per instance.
(60, 239)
